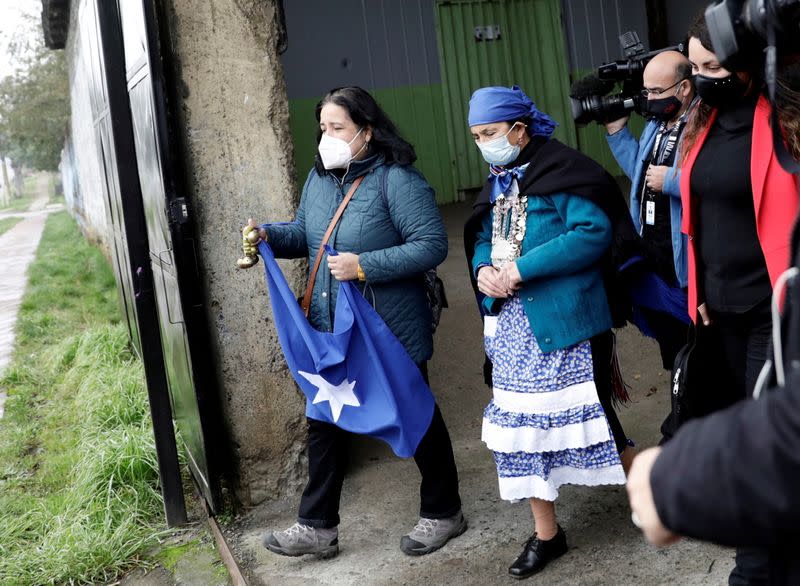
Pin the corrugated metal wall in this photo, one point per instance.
(680, 14)
(592, 29)
(529, 52)
(388, 47)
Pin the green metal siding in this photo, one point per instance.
(530, 53)
(418, 112)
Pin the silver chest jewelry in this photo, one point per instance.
(508, 226)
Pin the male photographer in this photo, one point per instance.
(655, 200)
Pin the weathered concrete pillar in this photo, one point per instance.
(235, 118)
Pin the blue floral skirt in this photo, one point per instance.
(544, 423)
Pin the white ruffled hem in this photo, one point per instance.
(578, 395)
(523, 487)
(534, 440)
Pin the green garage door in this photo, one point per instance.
(500, 42)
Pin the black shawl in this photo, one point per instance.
(556, 168)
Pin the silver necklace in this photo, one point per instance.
(508, 226)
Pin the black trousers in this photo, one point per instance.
(602, 356)
(745, 340)
(327, 462)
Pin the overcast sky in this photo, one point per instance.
(11, 18)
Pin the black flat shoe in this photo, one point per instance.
(537, 553)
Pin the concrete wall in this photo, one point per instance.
(234, 119)
(80, 168)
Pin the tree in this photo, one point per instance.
(34, 103)
(34, 110)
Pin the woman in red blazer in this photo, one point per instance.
(739, 206)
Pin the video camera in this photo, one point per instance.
(740, 29)
(747, 34)
(588, 96)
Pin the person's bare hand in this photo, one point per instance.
(344, 266)
(512, 281)
(261, 232)
(654, 177)
(702, 309)
(490, 283)
(615, 126)
(640, 495)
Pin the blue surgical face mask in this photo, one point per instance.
(499, 151)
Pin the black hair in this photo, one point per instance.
(365, 111)
(683, 70)
(700, 117)
(527, 121)
(699, 30)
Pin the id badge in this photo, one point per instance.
(650, 213)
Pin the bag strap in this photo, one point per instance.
(305, 304)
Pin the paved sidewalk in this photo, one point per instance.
(17, 251)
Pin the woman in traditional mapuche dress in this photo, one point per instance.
(536, 244)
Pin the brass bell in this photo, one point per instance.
(246, 262)
(250, 237)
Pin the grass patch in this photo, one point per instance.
(19, 204)
(79, 499)
(7, 223)
(169, 556)
(54, 196)
(29, 184)
(29, 193)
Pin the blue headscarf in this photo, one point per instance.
(501, 104)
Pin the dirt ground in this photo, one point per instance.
(380, 498)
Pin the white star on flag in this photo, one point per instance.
(337, 395)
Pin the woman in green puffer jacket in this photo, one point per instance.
(390, 233)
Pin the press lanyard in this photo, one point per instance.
(672, 139)
(647, 207)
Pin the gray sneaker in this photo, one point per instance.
(301, 539)
(430, 534)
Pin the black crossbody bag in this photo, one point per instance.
(701, 383)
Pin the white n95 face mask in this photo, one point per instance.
(335, 152)
(499, 151)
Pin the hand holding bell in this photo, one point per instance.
(250, 238)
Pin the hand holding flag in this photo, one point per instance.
(358, 377)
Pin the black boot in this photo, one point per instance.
(537, 553)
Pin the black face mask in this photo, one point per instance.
(720, 91)
(663, 109)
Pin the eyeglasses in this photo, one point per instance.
(657, 91)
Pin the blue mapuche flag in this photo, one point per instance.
(649, 291)
(359, 377)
